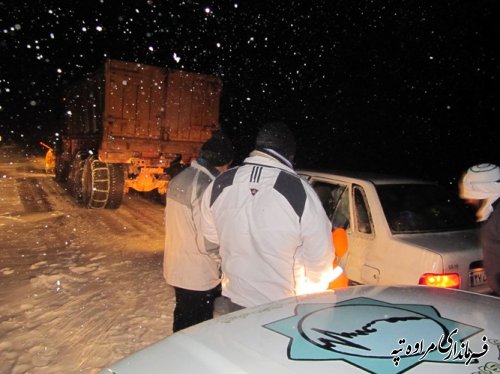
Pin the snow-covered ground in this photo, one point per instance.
(79, 289)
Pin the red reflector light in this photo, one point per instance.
(450, 280)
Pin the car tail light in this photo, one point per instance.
(447, 280)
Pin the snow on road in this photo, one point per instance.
(79, 288)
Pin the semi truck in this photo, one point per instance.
(125, 124)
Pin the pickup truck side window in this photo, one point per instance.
(362, 212)
(335, 201)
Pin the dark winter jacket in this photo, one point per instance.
(490, 243)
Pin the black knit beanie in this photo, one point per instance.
(218, 150)
(278, 137)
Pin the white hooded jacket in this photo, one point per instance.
(189, 262)
(271, 227)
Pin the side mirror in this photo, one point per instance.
(339, 237)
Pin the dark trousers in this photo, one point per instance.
(192, 307)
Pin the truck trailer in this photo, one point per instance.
(126, 123)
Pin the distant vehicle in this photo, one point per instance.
(374, 329)
(402, 231)
(124, 124)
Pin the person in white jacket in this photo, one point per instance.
(273, 232)
(190, 265)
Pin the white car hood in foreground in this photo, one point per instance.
(358, 329)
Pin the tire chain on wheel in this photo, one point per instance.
(95, 184)
(78, 185)
(116, 187)
(75, 179)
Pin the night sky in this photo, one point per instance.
(394, 86)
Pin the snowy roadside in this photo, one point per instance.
(79, 289)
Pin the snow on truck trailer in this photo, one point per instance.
(126, 123)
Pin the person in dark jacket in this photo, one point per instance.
(190, 264)
(480, 186)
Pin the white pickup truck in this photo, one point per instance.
(402, 231)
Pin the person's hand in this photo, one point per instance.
(308, 286)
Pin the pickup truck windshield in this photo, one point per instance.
(411, 208)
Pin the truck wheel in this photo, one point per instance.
(163, 199)
(116, 186)
(95, 184)
(75, 177)
(61, 170)
(78, 182)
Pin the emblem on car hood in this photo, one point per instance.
(376, 336)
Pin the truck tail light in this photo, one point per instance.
(447, 280)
